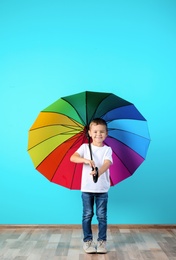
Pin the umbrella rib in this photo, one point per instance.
(131, 173)
(73, 120)
(101, 101)
(60, 161)
(73, 175)
(64, 133)
(125, 131)
(126, 145)
(76, 141)
(68, 126)
(110, 109)
(86, 102)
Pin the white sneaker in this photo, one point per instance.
(101, 247)
(89, 247)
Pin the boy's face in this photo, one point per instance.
(98, 134)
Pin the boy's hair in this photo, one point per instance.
(98, 121)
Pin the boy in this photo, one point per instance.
(91, 191)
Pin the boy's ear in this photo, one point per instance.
(89, 133)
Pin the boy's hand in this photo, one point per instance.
(90, 162)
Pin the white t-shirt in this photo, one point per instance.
(99, 155)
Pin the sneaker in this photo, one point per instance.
(89, 247)
(101, 247)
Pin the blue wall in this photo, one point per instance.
(50, 49)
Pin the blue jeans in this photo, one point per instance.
(100, 200)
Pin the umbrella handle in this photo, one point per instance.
(95, 177)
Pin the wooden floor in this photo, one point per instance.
(32, 243)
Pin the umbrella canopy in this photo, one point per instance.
(62, 127)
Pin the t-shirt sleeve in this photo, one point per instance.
(108, 155)
(80, 150)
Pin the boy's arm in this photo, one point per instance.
(76, 158)
(104, 167)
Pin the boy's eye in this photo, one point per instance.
(101, 132)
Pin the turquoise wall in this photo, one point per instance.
(50, 49)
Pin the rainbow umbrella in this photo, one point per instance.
(62, 127)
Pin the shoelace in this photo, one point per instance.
(101, 243)
(88, 243)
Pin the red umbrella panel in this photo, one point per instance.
(62, 127)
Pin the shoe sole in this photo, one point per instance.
(90, 252)
(101, 252)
